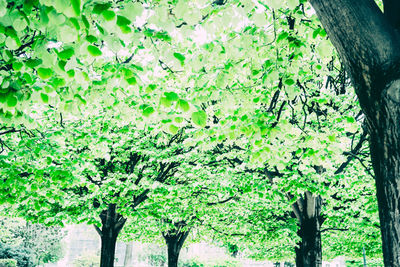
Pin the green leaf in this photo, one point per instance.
(173, 129)
(150, 88)
(33, 63)
(76, 5)
(91, 39)
(17, 66)
(122, 21)
(163, 36)
(183, 105)
(332, 138)
(165, 102)
(166, 121)
(66, 53)
(20, 24)
(85, 22)
(282, 36)
(108, 15)
(43, 14)
(289, 82)
(3, 98)
(148, 111)
(179, 119)
(75, 22)
(44, 97)
(80, 98)
(179, 57)
(44, 73)
(99, 8)
(94, 50)
(199, 118)
(315, 33)
(125, 29)
(350, 119)
(71, 73)
(132, 80)
(171, 96)
(137, 67)
(11, 101)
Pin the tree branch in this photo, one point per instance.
(221, 202)
(98, 230)
(353, 153)
(333, 229)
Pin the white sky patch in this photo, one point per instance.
(141, 20)
(200, 35)
(54, 44)
(260, 8)
(107, 52)
(177, 36)
(124, 53)
(244, 21)
(144, 56)
(309, 11)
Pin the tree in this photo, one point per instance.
(241, 72)
(174, 239)
(312, 192)
(42, 244)
(119, 174)
(372, 61)
(126, 172)
(193, 195)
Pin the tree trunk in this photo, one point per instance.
(108, 242)
(308, 212)
(173, 254)
(386, 163)
(112, 223)
(368, 42)
(128, 254)
(174, 241)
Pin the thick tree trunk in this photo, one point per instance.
(309, 250)
(174, 241)
(108, 242)
(385, 154)
(308, 212)
(173, 254)
(368, 42)
(112, 223)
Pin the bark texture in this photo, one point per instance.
(368, 42)
(174, 240)
(112, 223)
(308, 212)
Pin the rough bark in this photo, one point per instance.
(368, 42)
(174, 241)
(308, 213)
(112, 223)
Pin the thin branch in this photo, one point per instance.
(98, 230)
(333, 229)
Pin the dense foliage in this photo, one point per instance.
(34, 244)
(221, 117)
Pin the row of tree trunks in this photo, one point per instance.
(308, 253)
